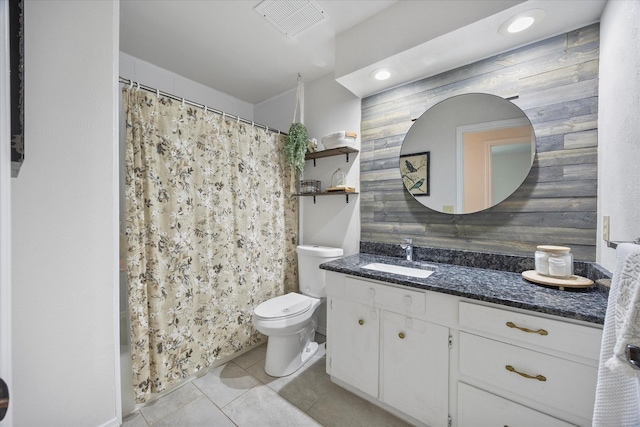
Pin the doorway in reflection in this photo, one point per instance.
(492, 159)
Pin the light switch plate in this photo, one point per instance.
(606, 227)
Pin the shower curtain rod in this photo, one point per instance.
(131, 83)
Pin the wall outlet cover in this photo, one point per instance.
(606, 227)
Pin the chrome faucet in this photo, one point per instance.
(407, 245)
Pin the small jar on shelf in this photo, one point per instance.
(309, 186)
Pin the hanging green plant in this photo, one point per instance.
(295, 148)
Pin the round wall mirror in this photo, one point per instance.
(467, 153)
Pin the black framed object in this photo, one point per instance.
(16, 52)
(415, 171)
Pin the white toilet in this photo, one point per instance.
(290, 320)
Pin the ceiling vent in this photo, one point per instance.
(292, 17)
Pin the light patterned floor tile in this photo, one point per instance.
(253, 356)
(339, 408)
(261, 406)
(199, 413)
(305, 398)
(304, 387)
(134, 420)
(170, 403)
(225, 383)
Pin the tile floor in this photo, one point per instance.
(239, 393)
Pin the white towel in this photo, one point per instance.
(618, 389)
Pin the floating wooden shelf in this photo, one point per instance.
(329, 153)
(332, 193)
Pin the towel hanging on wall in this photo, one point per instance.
(618, 389)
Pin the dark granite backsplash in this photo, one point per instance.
(490, 261)
(487, 260)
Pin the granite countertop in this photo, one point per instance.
(498, 287)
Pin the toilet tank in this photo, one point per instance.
(310, 277)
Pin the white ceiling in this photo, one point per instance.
(226, 45)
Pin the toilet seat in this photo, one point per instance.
(283, 307)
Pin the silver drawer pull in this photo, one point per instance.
(531, 331)
(522, 374)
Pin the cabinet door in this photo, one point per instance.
(354, 344)
(415, 368)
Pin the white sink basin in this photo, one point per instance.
(398, 269)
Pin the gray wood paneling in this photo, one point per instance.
(556, 84)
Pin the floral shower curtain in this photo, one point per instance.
(211, 232)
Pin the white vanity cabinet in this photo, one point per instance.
(541, 367)
(442, 360)
(381, 343)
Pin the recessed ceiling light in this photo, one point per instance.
(381, 74)
(520, 24)
(521, 21)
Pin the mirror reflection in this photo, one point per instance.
(467, 153)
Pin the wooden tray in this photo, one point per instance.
(345, 189)
(571, 282)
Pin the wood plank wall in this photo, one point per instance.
(556, 82)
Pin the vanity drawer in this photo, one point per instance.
(524, 374)
(479, 408)
(513, 327)
(400, 300)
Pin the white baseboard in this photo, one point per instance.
(112, 423)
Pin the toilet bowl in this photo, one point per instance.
(290, 321)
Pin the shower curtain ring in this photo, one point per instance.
(205, 109)
(130, 84)
(237, 120)
(138, 86)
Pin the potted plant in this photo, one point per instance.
(295, 150)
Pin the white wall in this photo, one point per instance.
(5, 209)
(64, 213)
(277, 112)
(619, 125)
(166, 81)
(329, 108)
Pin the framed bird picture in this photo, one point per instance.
(414, 169)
